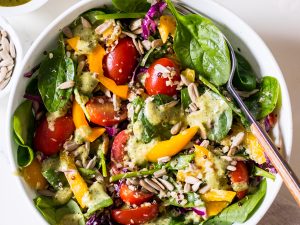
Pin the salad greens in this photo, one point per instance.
(128, 121)
(200, 45)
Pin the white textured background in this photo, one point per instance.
(276, 21)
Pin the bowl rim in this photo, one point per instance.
(257, 216)
(21, 9)
(14, 37)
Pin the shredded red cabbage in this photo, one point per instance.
(37, 102)
(148, 24)
(112, 131)
(32, 71)
(101, 219)
(200, 211)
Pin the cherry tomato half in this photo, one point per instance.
(157, 84)
(117, 149)
(120, 63)
(102, 112)
(135, 216)
(134, 197)
(240, 175)
(49, 138)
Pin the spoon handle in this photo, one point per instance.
(289, 177)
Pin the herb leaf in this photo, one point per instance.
(265, 101)
(200, 45)
(54, 71)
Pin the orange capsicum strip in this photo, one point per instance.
(80, 122)
(173, 146)
(73, 42)
(119, 90)
(75, 180)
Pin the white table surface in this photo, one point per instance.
(276, 21)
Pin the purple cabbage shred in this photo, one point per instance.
(112, 131)
(148, 24)
(32, 71)
(102, 219)
(199, 211)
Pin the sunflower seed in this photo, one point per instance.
(147, 187)
(157, 43)
(231, 168)
(167, 184)
(85, 23)
(146, 44)
(196, 186)
(193, 92)
(203, 132)
(92, 163)
(9, 68)
(227, 158)
(137, 46)
(141, 47)
(133, 181)
(185, 80)
(160, 173)
(135, 24)
(116, 103)
(3, 33)
(4, 83)
(233, 163)
(67, 32)
(104, 27)
(163, 160)
(238, 139)
(191, 180)
(66, 85)
(186, 188)
(176, 128)
(204, 189)
(153, 184)
(161, 69)
(70, 145)
(129, 34)
(105, 144)
(205, 143)
(193, 107)
(158, 183)
(138, 31)
(5, 44)
(3, 72)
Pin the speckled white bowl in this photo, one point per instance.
(240, 35)
(21, 9)
(19, 53)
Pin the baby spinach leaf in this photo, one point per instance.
(242, 210)
(91, 16)
(46, 207)
(23, 125)
(55, 69)
(244, 77)
(200, 45)
(265, 101)
(185, 98)
(221, 126)
(87, 173)
(161, 99)
(180, 162)
(132, 5)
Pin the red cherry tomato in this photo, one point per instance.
(135, 216)
(133, 197)
(156, 84)
(120, 63)
(102, 112)
(49, 138)
(117, 149)
(240, 175)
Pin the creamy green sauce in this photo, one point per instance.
(137, 150)
(215, 177)
(210, 107)
(13, 2)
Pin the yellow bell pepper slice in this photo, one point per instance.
(75, 180)
(256, 152)
(173, 146)
(72, 42)
(95, 59)
(214, 208)
(202, 155)
(167, 25)
(218, 196)
(119, 90)
(80, 122)
(189, 74)
(32, 174)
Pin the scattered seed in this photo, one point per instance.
(191, 180)
(116, 103)
(70, 145)
(176, 128)
(5, 44)
(185, 80)
(204, 189)
(12, 49)
(146, 44)
(193, 92)
(163, 160)
(196, 186)
(147, 187)
(158, 183)
(153, 184)
(129, 34)
(205, 143)
(105, 144)
(238, 139)
(227, 158)
(186, 188)
(3, 72)
(66, 85)
(92, 163)
(135, 24)
(104, 27)
(160, 173)
(203, 132)
(67, 32)
(231, 168)
(85, 23)
(4, 83)
(193, 107)
(157, 43)
(233, 163)
(167, 184)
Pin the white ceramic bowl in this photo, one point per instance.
(241, 36)
(21, 9)
(19, 52)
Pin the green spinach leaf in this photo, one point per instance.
(185, 98)
(55, 69)
(200, 45)
(262, 173)
(91, 16)
(221, 126)
(240, 211)
(23, 125)
(244, 77)
(120, 16)
(265, 101)
(180, 162)
(131, 5)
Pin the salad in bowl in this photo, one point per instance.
(128, 121)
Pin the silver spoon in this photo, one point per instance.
(289, 177)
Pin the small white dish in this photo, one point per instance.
(21, 9)
(19, 52)
(241, 36)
